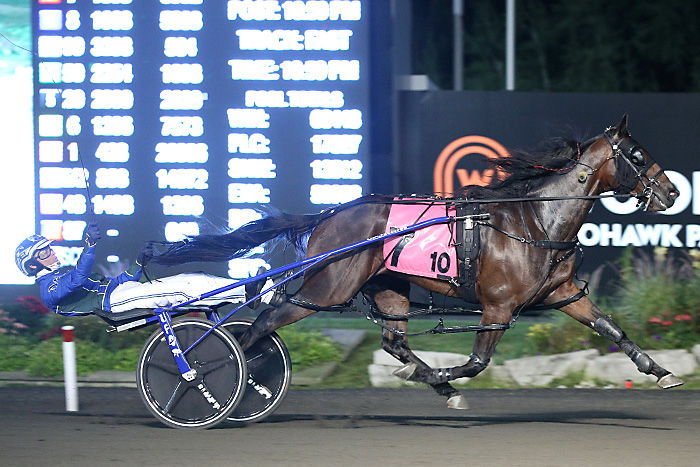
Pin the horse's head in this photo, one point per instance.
(635, 172)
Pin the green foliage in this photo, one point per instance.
(29, 341)
(308, 347)
(13, 350)
(126, 359)
(9, 325)
(657, 304)
(540, 335)
(563, 335)
(26, 317)
(92, 328)
(46, 358)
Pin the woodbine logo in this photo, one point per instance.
(445, 170)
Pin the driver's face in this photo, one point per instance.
(46, 256)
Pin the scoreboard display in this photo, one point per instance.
(160, 119)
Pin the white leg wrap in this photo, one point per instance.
(458, 402)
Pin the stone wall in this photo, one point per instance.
(542, 370)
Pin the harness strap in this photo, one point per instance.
(315, 307)
(548, 244)
(377, 313)
(442, 329)
(552, 245)
(561, 303)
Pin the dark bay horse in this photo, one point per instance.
(517, 266)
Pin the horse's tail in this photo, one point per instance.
(223, 247)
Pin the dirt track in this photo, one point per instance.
(544, 427)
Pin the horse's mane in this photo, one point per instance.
(526, 171)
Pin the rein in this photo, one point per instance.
(438, 200)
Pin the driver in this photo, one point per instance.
(77, 290)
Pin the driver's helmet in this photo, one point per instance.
(24, 254)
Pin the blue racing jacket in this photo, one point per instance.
(76, 290)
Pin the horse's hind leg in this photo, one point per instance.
(330, 284)
(272, 319)
(587, 313)
(484, 346)
(390, 295)
(397, 346)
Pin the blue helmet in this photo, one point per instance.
(24, 254)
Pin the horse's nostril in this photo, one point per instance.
(673, 194)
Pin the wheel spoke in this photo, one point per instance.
(170, 368)
(179, 391)
(254, 361)
(214, 365)
(261, 358)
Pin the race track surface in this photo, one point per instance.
(368, 427)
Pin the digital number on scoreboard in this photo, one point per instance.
(162, 119)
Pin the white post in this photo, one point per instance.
(70, 374)
(510, 45)
(457, 45)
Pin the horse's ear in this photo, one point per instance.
(622, 127)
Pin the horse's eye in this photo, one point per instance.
(637, 157)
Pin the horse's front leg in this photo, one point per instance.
(587, 313)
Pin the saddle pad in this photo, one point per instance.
(426, 252)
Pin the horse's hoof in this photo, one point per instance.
(458, 402)
(669, 381)
(406, 371)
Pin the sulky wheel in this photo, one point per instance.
(216, 390)
(269, 375)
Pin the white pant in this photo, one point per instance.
(172, 290)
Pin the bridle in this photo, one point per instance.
(630, 151)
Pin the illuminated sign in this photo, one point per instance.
(168, 117)
(446, 165)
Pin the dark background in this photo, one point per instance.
(564, 45)
(579, 67)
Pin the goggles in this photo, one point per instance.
(44, 253)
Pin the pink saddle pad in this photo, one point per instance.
(426, 252)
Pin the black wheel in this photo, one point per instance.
(269, 375)
(216, 390)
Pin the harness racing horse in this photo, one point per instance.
(519, 263)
